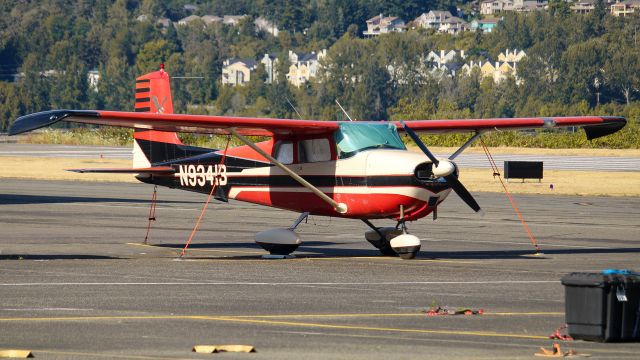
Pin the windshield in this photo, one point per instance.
(353, 137)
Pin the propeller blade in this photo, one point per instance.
(464, 194)
(420, 144)
(452, 180)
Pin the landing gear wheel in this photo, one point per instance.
(406, 246)
(278, 241)
(383, 243)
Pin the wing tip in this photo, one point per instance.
(609, 125)
(42, 119)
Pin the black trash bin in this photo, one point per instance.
(603, 306)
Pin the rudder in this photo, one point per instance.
(153, 94)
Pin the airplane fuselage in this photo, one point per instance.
(372, 183)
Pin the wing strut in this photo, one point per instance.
(465, 145)
(339, 207)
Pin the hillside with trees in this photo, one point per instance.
(575, 65)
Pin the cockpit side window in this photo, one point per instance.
(314, 150)
(284, 152)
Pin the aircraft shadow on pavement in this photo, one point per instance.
(56, 257)
(244, 244)
(319, 248)
(17, 199)
(306, 249)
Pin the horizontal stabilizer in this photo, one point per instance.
(150, 170)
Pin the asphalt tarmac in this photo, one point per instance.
(76, 282)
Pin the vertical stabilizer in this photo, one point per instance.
(153, 94)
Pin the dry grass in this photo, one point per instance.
(54, 169)
(564, 182)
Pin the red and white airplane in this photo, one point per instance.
(358, 170)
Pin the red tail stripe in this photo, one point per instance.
(158, 136)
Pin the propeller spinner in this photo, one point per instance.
(446, 169)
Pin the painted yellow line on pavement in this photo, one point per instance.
(285, 316)
(276, 316)
(262, 319)
(526, 313)
(371, 328)
(108, 356)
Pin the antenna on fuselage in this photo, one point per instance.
(294, 108)
(343, 110)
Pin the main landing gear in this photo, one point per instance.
(281, 242)
(393, 241)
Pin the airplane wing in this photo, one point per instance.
(203, 124)
(595, 126)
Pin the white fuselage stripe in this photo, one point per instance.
(409, 191)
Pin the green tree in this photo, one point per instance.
(152, 54)
(11, 106)
(559, 8)
(69, 86)
(622, 71)
(116, 85)
(35, 86)
(582, 64)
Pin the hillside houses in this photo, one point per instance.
(491, 7)
(495, 70)
(231, 20)
(270, 62)
(583, 6)
(238, 71)
(210, 19)
(625, 8)
(187, 20)
(441, 21)
(507, 65)
(382, 25)
(303, 68)
(486, 26)
(443, 63)
(432, 20)
(267, 26)
(453, 25)
(444, 57)
(512, 56)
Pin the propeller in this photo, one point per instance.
(445, 169)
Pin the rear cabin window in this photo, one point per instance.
(314, 150)
(284, 152)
